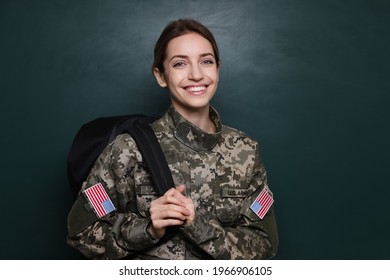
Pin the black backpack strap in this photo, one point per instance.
(152, 154)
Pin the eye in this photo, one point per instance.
(179, 64)
(208, 61)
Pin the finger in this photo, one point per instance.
(175, 196)
(168, 198)
(171, 191)
(181, 188)
(179, 193)
(169, 211)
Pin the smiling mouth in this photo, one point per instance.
(196, 89)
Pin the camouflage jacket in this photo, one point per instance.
(223, 175)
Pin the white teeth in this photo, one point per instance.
(195, 89)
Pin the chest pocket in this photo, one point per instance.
(144, 190)
(228, 202)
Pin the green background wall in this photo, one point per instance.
(307, 79)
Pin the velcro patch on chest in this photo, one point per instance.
(234, 192)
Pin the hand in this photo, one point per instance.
(189, 204)
(171, 209)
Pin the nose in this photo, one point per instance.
(196, 73)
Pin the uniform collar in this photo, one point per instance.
(191, 135)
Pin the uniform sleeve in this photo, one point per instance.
(123, 232)
(249, 237)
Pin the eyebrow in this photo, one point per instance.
(185, 56)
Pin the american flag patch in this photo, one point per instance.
(262, 203)
(99, 200)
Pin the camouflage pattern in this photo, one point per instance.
(223, 175)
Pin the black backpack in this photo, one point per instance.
(95, 135)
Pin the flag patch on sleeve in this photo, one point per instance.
(262, 203)
(99, 199)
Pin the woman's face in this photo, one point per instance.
(191, 73)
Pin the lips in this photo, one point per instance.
(196, 90)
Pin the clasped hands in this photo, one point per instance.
(171, 209)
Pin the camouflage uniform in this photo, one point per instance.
(223, 175)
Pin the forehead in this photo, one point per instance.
(190, 44)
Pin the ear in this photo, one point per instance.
(159, 77)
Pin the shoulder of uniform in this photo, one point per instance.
(123, 141)
(231, 132)
(121, 138)
(123, 148)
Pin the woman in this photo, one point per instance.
(213, 208)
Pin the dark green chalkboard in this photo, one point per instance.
(307, 79)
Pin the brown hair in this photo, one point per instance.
(176, 29)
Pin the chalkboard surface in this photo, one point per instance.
(307, 79)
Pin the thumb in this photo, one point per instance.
(181, 188)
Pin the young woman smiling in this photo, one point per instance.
(221, 205)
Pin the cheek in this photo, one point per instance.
(212, 74)
(175, 78)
